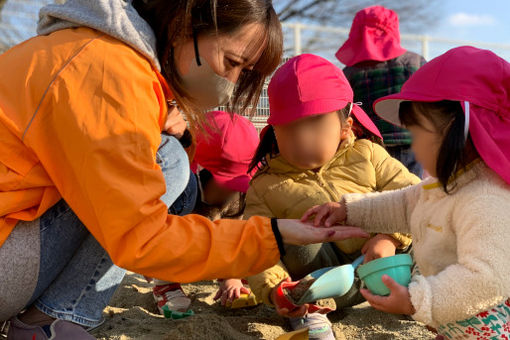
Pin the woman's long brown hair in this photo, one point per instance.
(178, 20)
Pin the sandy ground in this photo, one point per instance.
(133, 315)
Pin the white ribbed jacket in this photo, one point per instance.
(461, 241)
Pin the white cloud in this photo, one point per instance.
(465, 19)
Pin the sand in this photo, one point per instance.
(132, 314)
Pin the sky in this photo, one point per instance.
(480, 20)
(477, 22)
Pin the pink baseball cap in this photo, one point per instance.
(374, 35)
(308, 85)
(226, 149)
(480, 81)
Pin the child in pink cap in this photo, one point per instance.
(318, 147)
(377, 66)
(221, 160)
(457, 108)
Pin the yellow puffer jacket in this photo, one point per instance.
(283, 191)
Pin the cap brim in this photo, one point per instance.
(239, 183)
(388, 107)
(365, 120)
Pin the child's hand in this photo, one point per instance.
(398, 302)
(381, 245)
(230, 289)
(175, 124)
(326, 214)
(298, 312)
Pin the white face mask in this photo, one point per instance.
(208, 89)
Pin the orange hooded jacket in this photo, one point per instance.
(80, 120)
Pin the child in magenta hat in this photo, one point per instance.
(318, 147)
(377, 66)
(222, 157)
(457, 108)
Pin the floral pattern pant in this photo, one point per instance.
(491, 324)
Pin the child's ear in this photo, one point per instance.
(346, 127)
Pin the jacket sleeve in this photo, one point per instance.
(255, 205)
(392, 174)
(262, 284)
(479, 279)
(382, 212)
(96, 134)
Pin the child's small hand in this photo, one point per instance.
(298, 312)
(398, 302)
(326, 214)
(230, 289)
(381, 245)
(175, 124)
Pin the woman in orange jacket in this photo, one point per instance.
(82, 108)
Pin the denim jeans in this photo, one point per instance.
(406, 156)
(77, 277)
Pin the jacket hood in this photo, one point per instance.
(116, 18)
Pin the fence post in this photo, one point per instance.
(425, 47)
(297, 39)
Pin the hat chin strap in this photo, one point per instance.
(466, 120)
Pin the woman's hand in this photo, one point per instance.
(299, 233)
(175, 124)
(381, 245)
(230, 289)
(326, 214)
(398, 302)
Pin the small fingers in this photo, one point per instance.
(322, 212)
(299, 312)
(282, 311)
(324, 310)
(373, 299)
(224, 298)
(332, 219)
(309, 213)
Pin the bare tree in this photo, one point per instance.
(414, 15)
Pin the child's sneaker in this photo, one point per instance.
(170, 297)
(319, 327)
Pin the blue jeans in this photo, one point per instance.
(77, 277)
(406, 156)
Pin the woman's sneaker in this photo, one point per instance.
(170, 297)
(319, 327)
(58, 330)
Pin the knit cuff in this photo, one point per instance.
(421, 298)
(355, 210)
(278, 237)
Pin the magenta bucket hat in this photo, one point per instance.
(480, 81)
(374, 35)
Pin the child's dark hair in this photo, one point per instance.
(448, 118)
(268, 146)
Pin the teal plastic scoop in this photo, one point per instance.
(331, 282)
